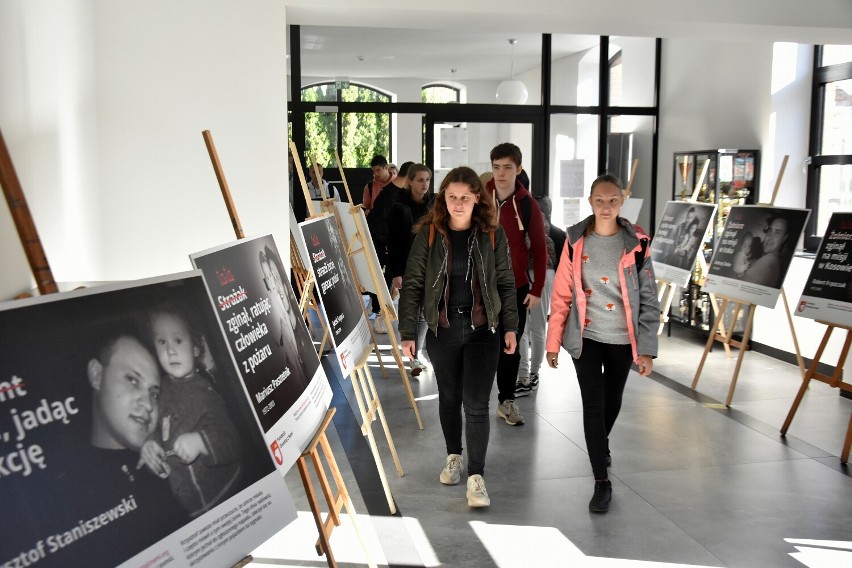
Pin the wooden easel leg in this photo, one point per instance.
(377, 407)
(799, 359)
(807, 379)
(347, 500)
(397, 355)
(728, 334)
(301, 463)
(743, 349)
(668, 290)
(366, 428)
(844, 455)
(710, 339)
(722, 331)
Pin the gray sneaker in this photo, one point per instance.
(477, 496)
(451, 474)
(510, 413)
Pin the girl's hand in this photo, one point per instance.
(552, 359)
(645, 364)
(408, 348)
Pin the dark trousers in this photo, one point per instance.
(508, 365)
(464, 360)
(602, 371)
(382, 255)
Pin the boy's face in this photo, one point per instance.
(126, 396)
(505, 171)
(381, 173)
(173, 342)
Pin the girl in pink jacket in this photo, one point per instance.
(604, 311)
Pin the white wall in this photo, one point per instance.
(47, 102)
(102, 104)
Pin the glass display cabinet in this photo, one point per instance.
(726, 177)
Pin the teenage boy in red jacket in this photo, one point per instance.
(520, 217)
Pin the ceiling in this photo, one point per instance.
(352, 52)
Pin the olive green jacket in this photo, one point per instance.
(425, 282)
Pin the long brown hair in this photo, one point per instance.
(484, 213)
(603, 178)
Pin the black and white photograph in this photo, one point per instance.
(678, 239)
(827, 295)
(337, 291)
(753, 253)
(269, 340)
(122, 419)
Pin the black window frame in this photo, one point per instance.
(816, 159)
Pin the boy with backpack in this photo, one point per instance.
(522, 220)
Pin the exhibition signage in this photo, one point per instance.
(827, 296)
(344, 311)
(268, 339)
(125, 434)
(753, 253)
(678, 239)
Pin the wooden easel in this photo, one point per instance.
(24, 222)
(341, 498)
(666, 289)
(834, 381)
(313, 214)
(307, 300)
(335, 500)
(362, 234)
(363, 387)
(727, 338)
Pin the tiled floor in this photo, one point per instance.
(694, 483)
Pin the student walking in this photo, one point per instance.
(460, 273)
(604, 312)
(521, 218)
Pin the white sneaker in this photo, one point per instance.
(379, 325)
(414, 368)
(451, 474)
(510, 413)
(477, 496)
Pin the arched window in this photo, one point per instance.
(357, 136)
(440, 93)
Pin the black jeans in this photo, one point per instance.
(464, 360)
(507, 367)
(382, 255)
(602, 371)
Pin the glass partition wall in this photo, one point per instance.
(576, 105)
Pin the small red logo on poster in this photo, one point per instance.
(276, 452)
(802, 305)
(315, 240)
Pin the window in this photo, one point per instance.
(356, 136)
(830, 167)
(440, 94)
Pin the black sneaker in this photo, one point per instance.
(533, 382)
(602, 497)
(522, 389)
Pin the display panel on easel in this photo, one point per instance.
(827, 296)
(350, 334)
(269, 340)
(754, 252)
(91, 381)
(678, 239)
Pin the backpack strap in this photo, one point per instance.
(526, 212)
